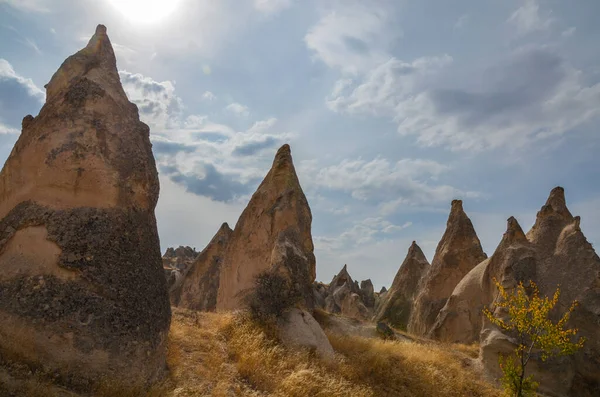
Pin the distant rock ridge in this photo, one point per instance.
(396, 306)
(82, 288)
(273, 233)
(175, 262)
(457, 253)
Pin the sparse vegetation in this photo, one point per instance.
(271, 295)
(529, 320)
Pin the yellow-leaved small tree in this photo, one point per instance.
(528, 320)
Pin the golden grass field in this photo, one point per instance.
(223, 355)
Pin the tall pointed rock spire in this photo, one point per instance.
(397, 304)
(80, 267)
(272, 234)
(457, 253)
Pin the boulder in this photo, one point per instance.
(272, 234)
(299, 328)
(457, 253)
(82, 289)
(396, 305)
(200, 281)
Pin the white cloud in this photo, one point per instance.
(159, 106)
(362, 232)
(385, 86)
(533, 94)
(411, 181)
(4, 129)
(209, 96)
(538, 95)
(238, 109)
(8, 73)
(271, 6)
(528, 18)
(353, 37)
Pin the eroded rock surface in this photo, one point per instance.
(563, 257)
(554, 252)
(344, 296)
(175, 262)
(396, 305)
(82, 290)
(457, 253)
(200, 281)
(272, 234)
(299, 328)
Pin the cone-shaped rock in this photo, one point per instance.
(200, 282)
(272, 234)
(397, 304)
(563, 257)
(81, 281)
(457, 253)
(344, 296)
(461, 319)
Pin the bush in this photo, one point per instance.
(270, 297)
(528, 318)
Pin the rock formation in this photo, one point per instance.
(461, 319)
(175, 262)
(179, 258)
(396, 305)
(82, 290)
(344, 296)
(554, 252)
(457, 253)
(273, 233)
(563, 257)
(200, 281)
(367, 292)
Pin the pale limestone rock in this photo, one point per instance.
(299, 328)
(272, 234)
(457, 253)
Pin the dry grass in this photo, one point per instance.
(229, 355)
(400, 368)
(223, 355)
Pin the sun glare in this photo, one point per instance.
(145, 11)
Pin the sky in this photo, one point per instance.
(392, 109)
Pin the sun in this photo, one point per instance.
(145, 11)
